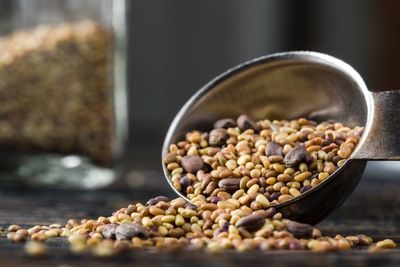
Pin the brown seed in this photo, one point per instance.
(13, 228)
(129, 230)
(229, 184)
(224, 123)
(299, 230)
(244, 123)
(273, 149)
(251, 222)
(295, 156)
(218, 137)
(192, 163)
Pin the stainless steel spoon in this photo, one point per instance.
(300, 84)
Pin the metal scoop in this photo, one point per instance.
(300, 84)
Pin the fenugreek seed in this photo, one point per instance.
(294, 192)
(323, 175)
(35, 248)
(283, 198)
(51, 233)
(13, 228)
(302, 176)
(263, 201)
(156, 211)
(168, 218)
(253, 189)
(385, 244)
(226, 205)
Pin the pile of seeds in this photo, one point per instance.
(55, 90)
(259, 163)
(162, 224)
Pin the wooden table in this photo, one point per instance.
(374, 209)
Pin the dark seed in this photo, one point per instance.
(185, 182)
(218, 137)
(295, 245)
(155, 200)
(244, 123)
(305, 188)
(215, 199)
(190, 206)
(273, 149)
(109, 231)
(336, 159)
(270, 212)
(295, 156)
(129, 230)
(275, 195)
(299, 230)
(251, 222)
(309, 160)
(224, 123)
(229, 184)
(192, 163)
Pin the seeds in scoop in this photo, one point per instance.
(129, 230)
(192, 164)
(295, 156)
(224, 123)
(218, 137)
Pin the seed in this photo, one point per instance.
(155, 200)
(229, 184)
(156, 211)
(253, 189)
(251, 222)
(34, 248)
(323, 175)
(273, 149)
(294, 192)
(218, 137)
(192, 163)
(300, 230)
(13, 228)
(129, 230)
(263, 201)
(302, 176)
(386, 243)
(295, 156)
(244, 123)
(51, 233)
(225, 123)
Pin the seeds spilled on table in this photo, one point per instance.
(233, 175)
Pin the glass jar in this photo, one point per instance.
(63, 108)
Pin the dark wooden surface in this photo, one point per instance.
(373, 209)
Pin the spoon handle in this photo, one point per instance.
(383, 139)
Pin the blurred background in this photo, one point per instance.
(177, 46)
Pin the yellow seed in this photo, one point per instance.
(294, 192)
(51, 233)
(255, 173)
(226, 205)
(302, 176)
(323, 175)
(242, 160)
(179, 220)
(386, 243)
(156, 211)
(263, 201)
(253, 189)
(168, 218)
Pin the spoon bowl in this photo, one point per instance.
(291, 85)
